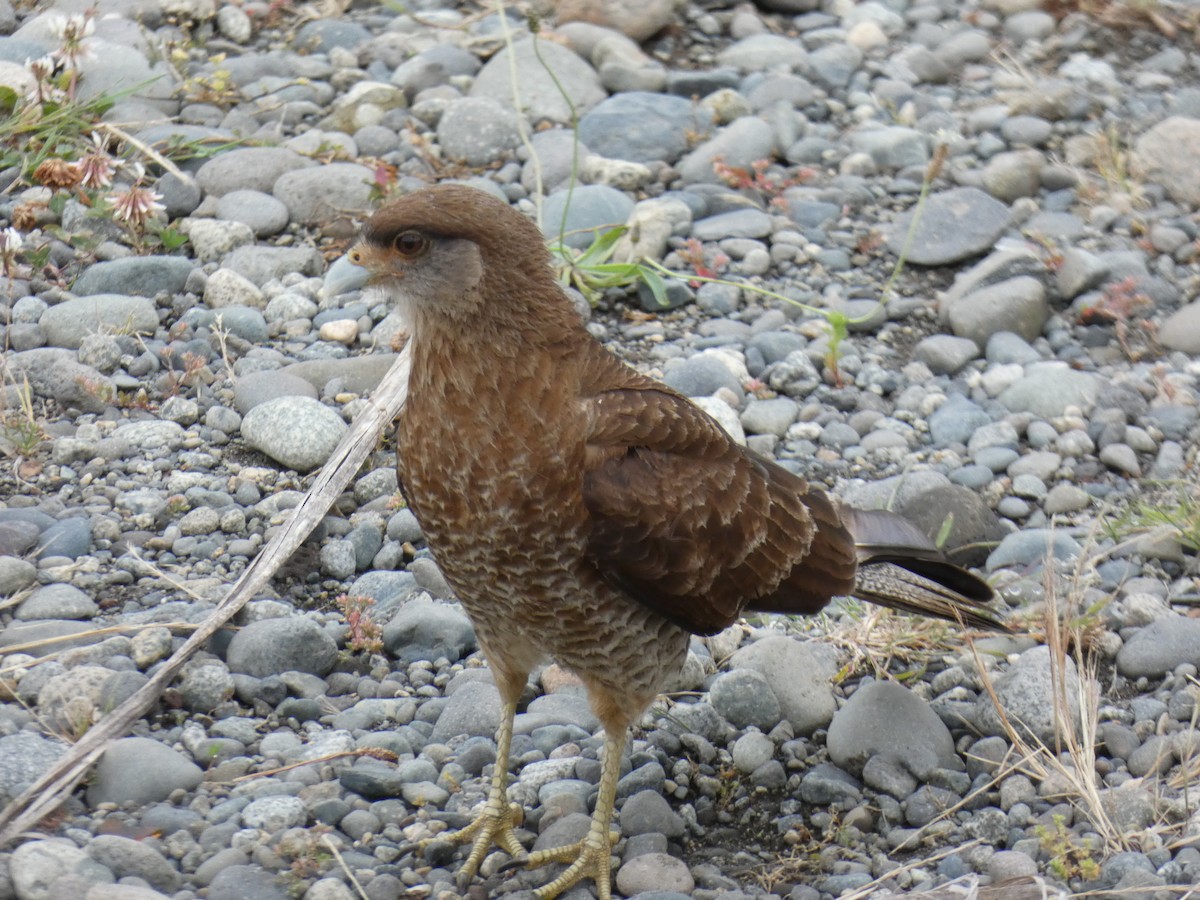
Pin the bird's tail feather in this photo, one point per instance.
(899, 567)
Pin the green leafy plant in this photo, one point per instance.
(591, 271)
(1174, 505)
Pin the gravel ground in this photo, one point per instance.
(174, 373)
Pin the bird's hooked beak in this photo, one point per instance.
(345, 275)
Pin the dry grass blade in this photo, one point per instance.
(42, 643)
(52, 788)
(372, 752)
(1077, 741)
(870, 887)
(325, 839)
(877, 637)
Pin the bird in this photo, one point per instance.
(586, 513)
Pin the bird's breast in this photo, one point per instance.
(492, 462)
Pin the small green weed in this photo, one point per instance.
(1069, 856)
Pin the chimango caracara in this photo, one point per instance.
(589, 514)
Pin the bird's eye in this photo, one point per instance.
(410, 243)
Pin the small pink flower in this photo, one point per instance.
(136, 204)
(96, 167)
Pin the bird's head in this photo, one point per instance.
(453, 253)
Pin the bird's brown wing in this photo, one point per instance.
(691, 524)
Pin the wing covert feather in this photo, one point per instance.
(695, 526)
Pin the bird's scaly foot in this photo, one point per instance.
(492, 827)
(588, 858)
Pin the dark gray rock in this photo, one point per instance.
(273, 646)
(955, 225)
(472, 710)
(143, 276)
(424, 629)
(744, 697)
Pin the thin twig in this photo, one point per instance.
(145, 149)
(345, 868)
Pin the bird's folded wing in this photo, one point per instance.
(691, 524)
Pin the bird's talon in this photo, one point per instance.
(492, 827)
(588, 858)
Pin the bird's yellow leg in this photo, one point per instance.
(494, 825)
(592, 856)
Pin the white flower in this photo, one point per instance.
(10, 246)
(10, 241)
(71, 28)
(73, 33)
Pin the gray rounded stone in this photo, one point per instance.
(125, 857)
(886, 718)
(299, 432)
(272, 814)
(57, 601)
(1047, 389)
(955, 225)
(317, 196)
(1159, 647)
(144, 276)
(539, 96)
(646, 812)
(249, 168)
(36, 865)
(798, 675)
(69, 322)
(478, 131)
(140, 770)
(474, 709)
(25, 757)
(593, 208)
(263, 213)
(1027, 694)
(642, 127)
(744, 697)
(288, 644)
(1018, 305)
